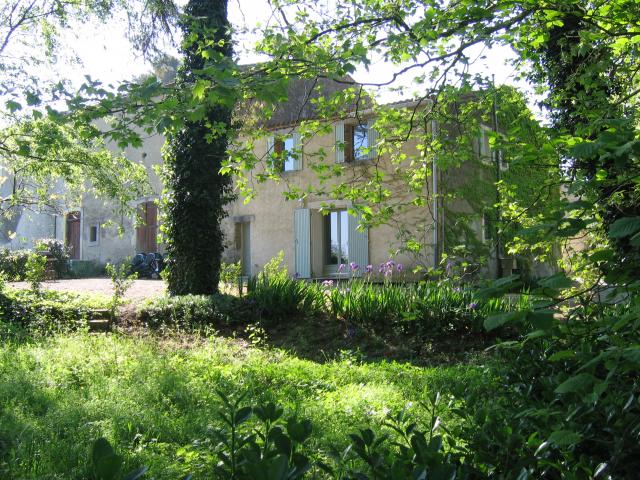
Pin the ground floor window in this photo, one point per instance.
(336, 231)
(94, 234)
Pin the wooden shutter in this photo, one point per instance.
(349, 147)
(372, 139)
(302, 229)
(297, 148)
(152, 227)
(73, 235)
(339, 131)
(358, 244)
(141, 232)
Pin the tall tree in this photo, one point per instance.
(197, 192)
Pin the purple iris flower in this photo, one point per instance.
(327, 283)
(473, 305)
(400, 267)
(382, 268)
(368, 269)
(354, 266)
(341, 267)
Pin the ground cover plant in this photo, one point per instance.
(156, 402)
(47, 311)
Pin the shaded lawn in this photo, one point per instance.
(154, 398)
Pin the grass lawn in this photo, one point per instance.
(156, 401)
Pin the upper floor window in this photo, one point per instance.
(285, 151)
(355, 141)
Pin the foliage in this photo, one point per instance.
(58, 251)
(155, 401)
(107, 465)
(193, 312)
(40, 154)
(48, 311)
(13, 263)
(419, 311)
(280, 299)
(231, 274)
(121, 281)
(196, 191)
(275, 268)
(35, 270)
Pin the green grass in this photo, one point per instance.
(153, 398)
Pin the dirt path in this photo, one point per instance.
(140, 290)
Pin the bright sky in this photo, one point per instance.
(106, 54)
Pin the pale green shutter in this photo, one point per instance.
(358, 244)
(484, 148)
(339, 129)
(302, 229)
(297, 147)
(372, 139)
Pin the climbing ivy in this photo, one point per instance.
(196, 192)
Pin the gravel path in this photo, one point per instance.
(140, 290)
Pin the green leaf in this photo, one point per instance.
(242, 415)
(299, 431)
(561, 355)
(584, 149)
(556, 282)
(624, 227)
(101, 449)
(13, 106)
(578, 383)
(541, 320)
(564, 438)
(278, 468)
(494, 321)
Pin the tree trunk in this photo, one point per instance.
(198, 192)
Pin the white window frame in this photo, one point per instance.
(342, 140)
(291, 150)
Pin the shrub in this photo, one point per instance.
(193, 311)
(259, 442)
(422, 310)
(231, 274)
(274, 268)
(58, 251)
(569, 405)
(372, 305)
(35, 271)
(47, 312)
(278, 298)
(13, 263)
(121, 281)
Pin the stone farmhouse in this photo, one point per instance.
(317, 234)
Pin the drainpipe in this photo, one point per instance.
(496, 159)
(434, 177)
